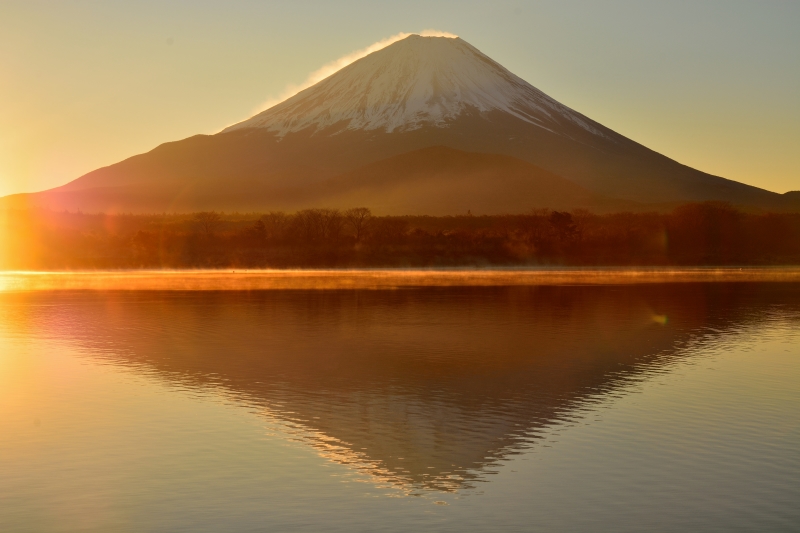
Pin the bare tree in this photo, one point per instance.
(308, 224)
(563, 226)
(358, 218)
(331, 221)
(208, 221)
(276, 224)
(319, 225)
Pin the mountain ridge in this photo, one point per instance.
(446, 93)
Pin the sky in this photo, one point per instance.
(714, 84)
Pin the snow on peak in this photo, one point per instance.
(414, 82)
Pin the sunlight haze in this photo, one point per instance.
(399, 266)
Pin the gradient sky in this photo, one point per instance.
(83, 84)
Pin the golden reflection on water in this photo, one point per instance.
(236, 410)
(376, 279)
(422, 390)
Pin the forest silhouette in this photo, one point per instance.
(709, 233)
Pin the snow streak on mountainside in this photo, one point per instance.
(415, 82)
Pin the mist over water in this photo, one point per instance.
(665, 407)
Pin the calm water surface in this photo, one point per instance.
(670, 407)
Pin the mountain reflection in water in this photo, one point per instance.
(425, 389)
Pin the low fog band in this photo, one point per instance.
(376, 279)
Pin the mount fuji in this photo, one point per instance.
(427, 125)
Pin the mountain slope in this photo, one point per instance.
(417, 93)
(430, 181)
(444, 181)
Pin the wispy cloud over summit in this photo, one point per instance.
(338, 64)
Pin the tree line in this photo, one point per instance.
(708, 233)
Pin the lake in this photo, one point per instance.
(562, 407)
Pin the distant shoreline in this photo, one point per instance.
(704, 234)
(377, 279)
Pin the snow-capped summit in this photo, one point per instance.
(414, 82)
